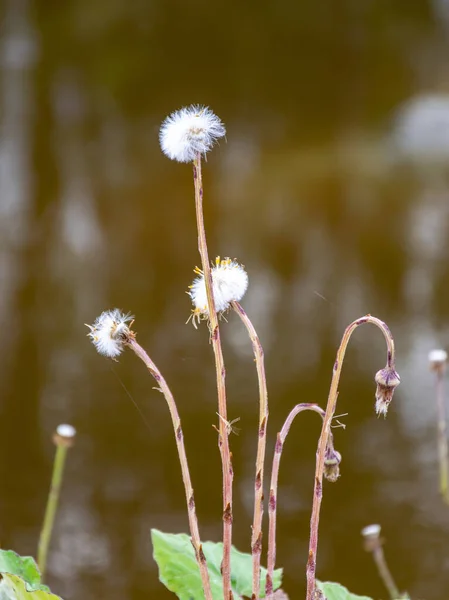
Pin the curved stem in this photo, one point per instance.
(223, 441)
(256, 537)
(272, 503)
(325, 433)
(193, 521)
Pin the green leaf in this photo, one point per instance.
(335, 591)
(23, 566)
(13, 587)
(179, 571)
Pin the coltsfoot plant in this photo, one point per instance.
(189, 566)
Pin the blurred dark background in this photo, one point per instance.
(332, 189)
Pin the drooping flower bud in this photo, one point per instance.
(332, 460)
(387, 381)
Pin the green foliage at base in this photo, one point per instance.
(13, 587)
(24, 567)
(20, 578)
(335, 591)
(179, 572)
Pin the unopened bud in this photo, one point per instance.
(438, 360)
(387, 380)
(332, 462)
(318, 594)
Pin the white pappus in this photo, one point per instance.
(109, 332)
(229, 283)
(189, 131)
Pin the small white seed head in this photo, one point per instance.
(110, 331)
(64, 436)
(189, 131)
(66, 431)
(371, 531)
(371, 537)
(437, 360)
(229, 283)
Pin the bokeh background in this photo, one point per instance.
(332, 189)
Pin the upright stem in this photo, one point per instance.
(384, 572)
(193, 521)
(442, 435)
(223, 441)
(256, 537)
(325, 433)
(272, 504)
(52, 506)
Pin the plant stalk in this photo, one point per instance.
(193, 521)
(52, 504)
(223, 441)
(256, 537)
(384, 572)
(272, 503)
(325, 433)
(442, 435)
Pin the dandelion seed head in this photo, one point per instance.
(229, 284)
(109, 331)
(189, 131)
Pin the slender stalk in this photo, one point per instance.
(63, 443)
(326, 432)
(193, 521)
(256, 537)
(442, 434)
(385, 574)
(272, 504)
(373, 544)
(223, 441)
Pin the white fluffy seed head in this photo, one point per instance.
(109, 332)
(229, 283)
(189, 131)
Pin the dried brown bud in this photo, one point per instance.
(332, 462)
(387, 380)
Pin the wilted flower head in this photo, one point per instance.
(190, 131)
(110, 331)
(387, 380)
(437, 360)
(229, 283)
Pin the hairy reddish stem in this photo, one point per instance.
(193, 521)
(223, 441)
